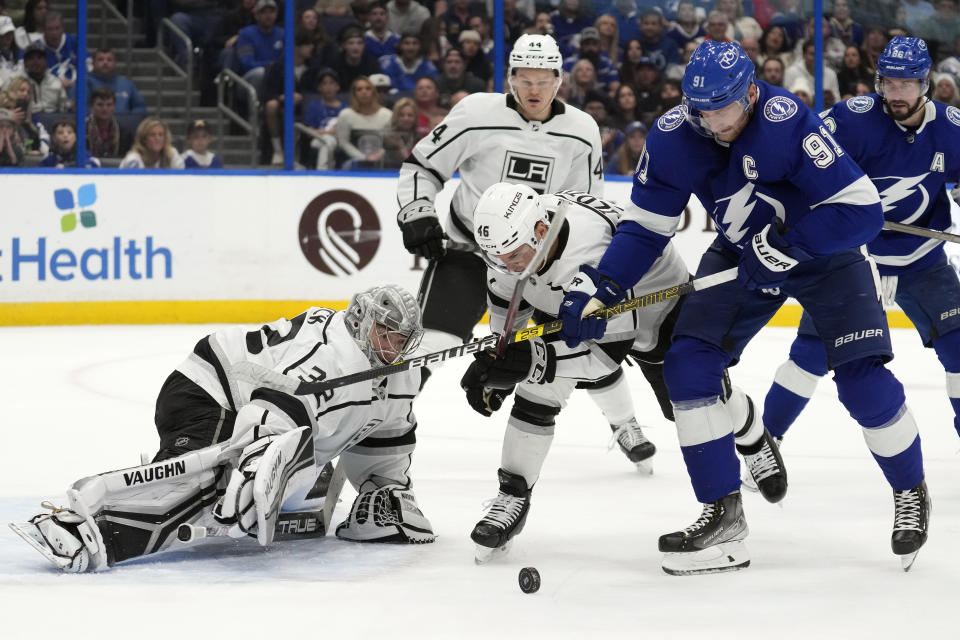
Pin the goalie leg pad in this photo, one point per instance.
(386, 514)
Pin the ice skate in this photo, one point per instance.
(638, 449)
(765, 468)
(747, 482)
(712, 544)
(70, 541)
(504, 519)
(910, 522)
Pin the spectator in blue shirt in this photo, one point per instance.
(569, 20)
(379, 39)
(625, 13)
(406, 66)
(321, 116)
(198, 155)
(259, 44)
(607, 76)
(660, 48)
(61, 49)
(104, 74)
(63, 147)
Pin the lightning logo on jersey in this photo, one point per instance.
(734, 221)
(902, 189)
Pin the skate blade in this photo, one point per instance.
(727, 556)
(484, 555)
(31, 535)
(906, 561)
(645, 467)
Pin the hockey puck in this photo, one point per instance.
(529, 579)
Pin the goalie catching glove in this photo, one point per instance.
(266, 469)
(386, 514)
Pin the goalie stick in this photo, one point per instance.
(293, 525)
(920, 231)
(260, 375)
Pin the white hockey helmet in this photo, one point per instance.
(506, 218)
(397, 311)
(535, 51)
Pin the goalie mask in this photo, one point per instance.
(505, 220)
(385, 322)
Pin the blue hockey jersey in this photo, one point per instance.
(909, 168)
(784, 166)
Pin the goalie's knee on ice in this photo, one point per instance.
(694, 369)
(869, 391)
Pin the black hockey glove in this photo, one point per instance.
(486, 401)
(422, 234)
(528, 361)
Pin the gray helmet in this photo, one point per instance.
(391, 306)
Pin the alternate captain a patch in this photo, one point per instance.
(524, 168)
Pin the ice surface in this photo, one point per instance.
(79, 400)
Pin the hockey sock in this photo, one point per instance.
(705, 432)
(794, 384)
(948, 351)
(527, 439)
(875, 399)
(614, 399)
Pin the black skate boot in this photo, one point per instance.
(765, 465)
(629, 437)
(712, 544)
(505, 517)
(911, 518)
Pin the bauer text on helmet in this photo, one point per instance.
(903, 76)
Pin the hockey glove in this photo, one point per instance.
(767, 262)
(586, 285)
(422, 234)
(486, 401)
(266, 468)
(528, 361)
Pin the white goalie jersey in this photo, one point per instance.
(312, 346)
(587, 230)
(486, 139)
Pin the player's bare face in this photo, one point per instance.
(518, 259)
(535, 89)
(728, 123)
(903, 97)
(387, 344)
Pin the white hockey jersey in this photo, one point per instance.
(587, 230)
(314, 345)
(488, 141)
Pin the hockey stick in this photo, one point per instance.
(921, 231)
(291, 525)
(260, 375)
(555, 226)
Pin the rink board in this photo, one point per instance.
(94, 248)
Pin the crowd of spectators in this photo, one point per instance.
(372, 77)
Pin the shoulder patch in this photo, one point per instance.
(860, 104)
(673, 118)
(779, 108)
(953, 115)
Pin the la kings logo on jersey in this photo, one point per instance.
(524, 168)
